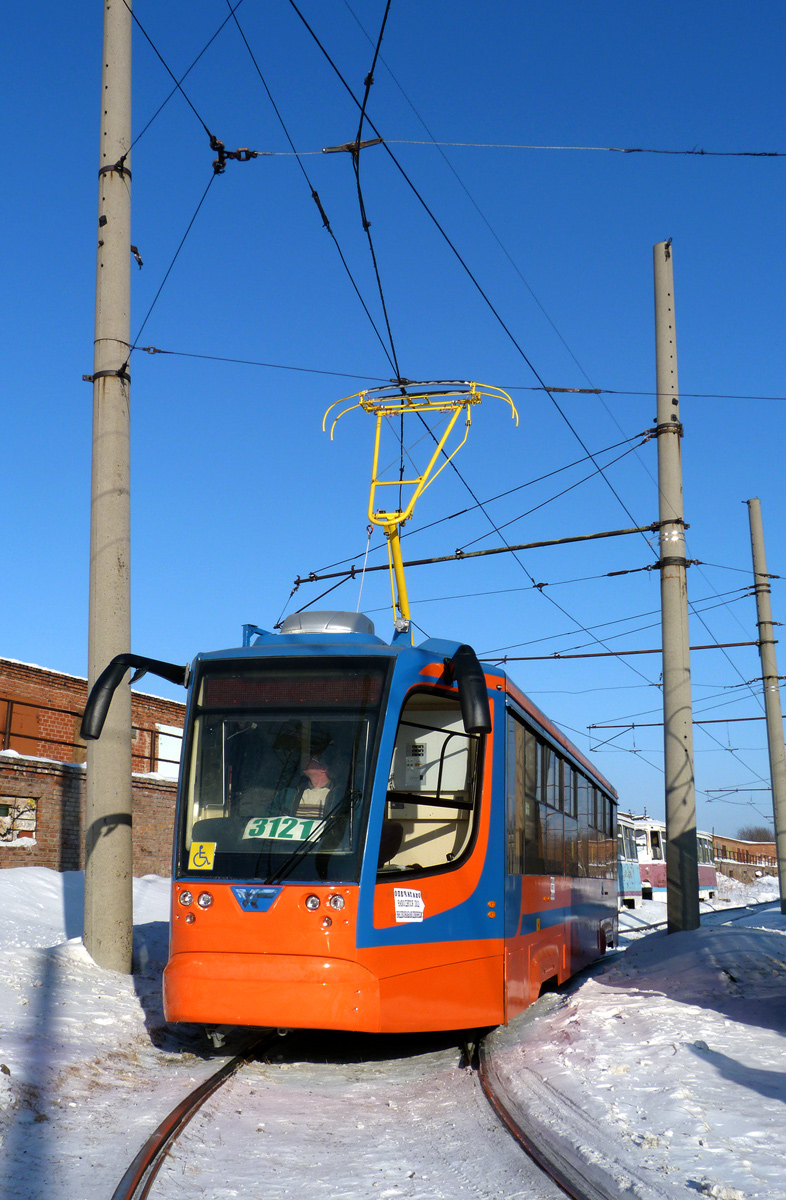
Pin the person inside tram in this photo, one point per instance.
(319, 793)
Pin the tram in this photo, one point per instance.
(375, 836)
(628, 871)
(650, 836)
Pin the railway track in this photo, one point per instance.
(554, 1156)
(138, 1179)
(715, 916)
(368, 1123)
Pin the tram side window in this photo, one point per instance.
(534, 807)
(626, 842)
(558, 805)
(706, 852)
(553, 813)
(584, 798)
(597, 838)
(514, 797)
(432, 798)
(569, 796)
(655, 842)
(611, 837)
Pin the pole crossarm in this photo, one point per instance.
(506, 658)
(352, 571)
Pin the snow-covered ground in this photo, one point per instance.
(664, 1071)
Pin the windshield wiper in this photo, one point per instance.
(325, 824)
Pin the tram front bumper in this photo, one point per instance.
(294, 991)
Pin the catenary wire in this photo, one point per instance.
(315, 195)
(532, 367)
(461, 260)
(250, 363)
(480, 212)
(355, 154)
(231, 14)
(697, 153)
(550, 500)
(134, 344)
(471, 508)
(166, 67)
(178, 82)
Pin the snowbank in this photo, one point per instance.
(662, 1072)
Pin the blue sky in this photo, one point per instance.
(236, 490)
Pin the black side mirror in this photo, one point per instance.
(472, 689)
(103, 689)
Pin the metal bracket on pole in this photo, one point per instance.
(121, 373)
(119, 168)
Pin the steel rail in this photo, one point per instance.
(559, 1170)
(138, 1179)
(547, 1155)
(735, 914)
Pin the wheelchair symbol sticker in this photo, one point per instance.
(202, 856)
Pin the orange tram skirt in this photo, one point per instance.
(317, 992)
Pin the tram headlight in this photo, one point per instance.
(186, 898)
(336, 902)
(204, 899)
(312, 903)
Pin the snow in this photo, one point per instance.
(661, 1072)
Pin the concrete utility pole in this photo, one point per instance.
(108, 847)
(682, 866)
(772, 695)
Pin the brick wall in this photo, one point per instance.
(745, 861)
(42, 780)
(41, 710)
(49, 830)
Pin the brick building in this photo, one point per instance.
(746, 861)
(42, 771)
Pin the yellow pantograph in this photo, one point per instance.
(450, 398)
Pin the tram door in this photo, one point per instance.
(435, 827)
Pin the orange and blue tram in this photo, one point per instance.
(374, 836)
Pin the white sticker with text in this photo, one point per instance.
(409, 905)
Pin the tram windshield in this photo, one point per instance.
(278, 770)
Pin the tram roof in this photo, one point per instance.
(329, 633)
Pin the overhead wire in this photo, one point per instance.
(315, 196)
(178, 82)
(471, 508)
(169, 71)
(481, 537)
(473, 201)
(545, 388)
(135, 343)
(355, 155)
(394, 363)
(459, 257)
(251, 363)
(695, 152)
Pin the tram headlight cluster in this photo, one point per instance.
(204, 899)
(334, 901)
